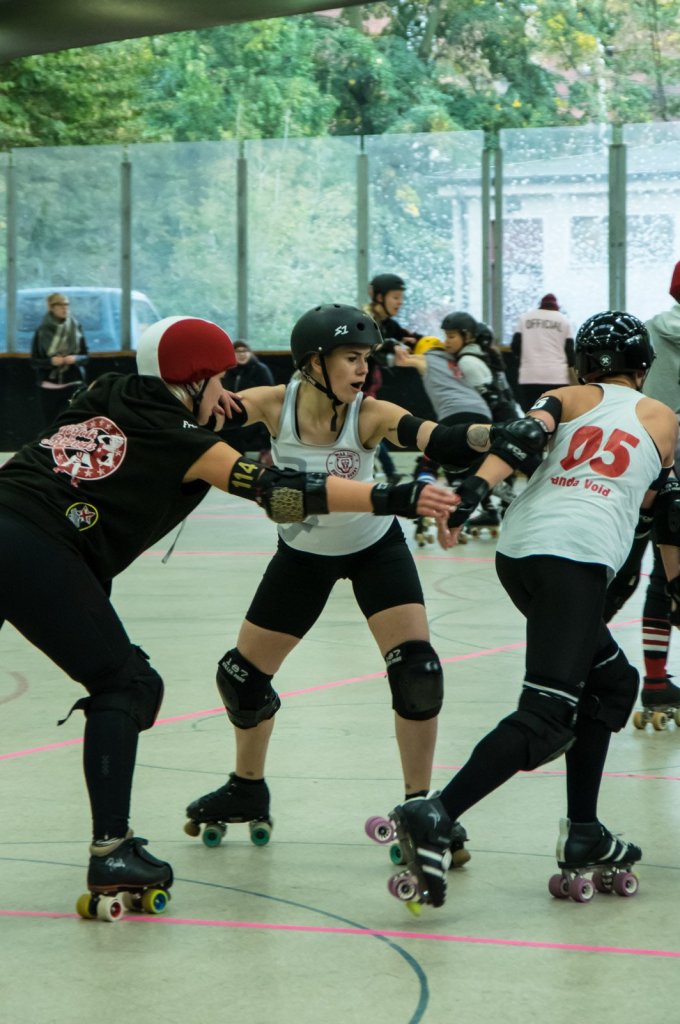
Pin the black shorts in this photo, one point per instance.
(296, 585)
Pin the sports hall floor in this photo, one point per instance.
(304, 930)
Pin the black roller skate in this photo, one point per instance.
(383, 830)
(487, 520)
(124, 876)
(236, 801)
(424, 834)
(425, 532)
(660, 703)
(590, 848)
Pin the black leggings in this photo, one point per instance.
(563, 603)
(53, 599)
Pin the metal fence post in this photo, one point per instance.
(125, 252)
(242, 242)
(362, 225)
(11, 242)
(617, 220)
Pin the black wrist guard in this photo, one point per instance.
(448, 446)
(397, 499)
(472, 490)
(286, 495)
(519, 442)
(673, 591)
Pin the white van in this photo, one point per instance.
(96, 309)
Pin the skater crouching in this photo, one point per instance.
(608, 451)
(120, 467)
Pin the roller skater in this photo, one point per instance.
(323, 419)
(558, 546)
(124, 876)
(127, 461)
(589, 848)
(239, 800)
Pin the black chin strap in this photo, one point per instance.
(326, 389)
(196, 392)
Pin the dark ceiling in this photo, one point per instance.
(43, 26)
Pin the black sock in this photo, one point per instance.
(585, 764)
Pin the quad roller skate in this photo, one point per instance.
(590, 848)
(425, 531)
(124, 876)
(234, 802)
(660, 704)
(424, 833)
(382, 830)
(486, 521)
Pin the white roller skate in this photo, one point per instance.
(590, 849)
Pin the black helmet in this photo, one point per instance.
(609, 343)
(325, 328)
(484, 336)
(381, 284)
(462, 322)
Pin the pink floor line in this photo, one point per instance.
(368, 932)
(290, 693)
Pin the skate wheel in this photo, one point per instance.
(639, 720)
(260, 832)
(155, 901)
(581, 890)
(603, 881)
(676, 716)
(396, 856)
(659, 721)
(403, 886)
(626, 883)
(214, 834)
(459, 857)
(558, 886)
(192, 828)
(86, 906)
(109, 908)
(379, 829)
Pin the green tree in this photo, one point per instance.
(77, 97)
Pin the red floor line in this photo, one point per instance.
(473, 940)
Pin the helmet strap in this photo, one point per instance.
(196, 391)
(325, 388)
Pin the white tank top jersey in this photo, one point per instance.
(341, 533)
(584, 500)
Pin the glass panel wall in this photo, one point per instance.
(555, 221)
(302, 234)
(425, 217)
(652, 215)
(184, 231)
(68, 234)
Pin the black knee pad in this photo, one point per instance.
(136, 689)
(547, 722)
(416, 680)
(610, 691)
(247, 693)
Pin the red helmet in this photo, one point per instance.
(184, 350)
